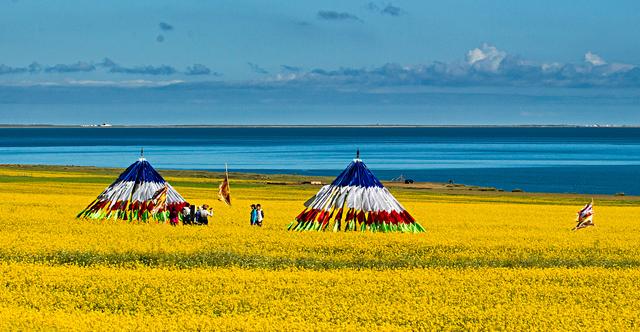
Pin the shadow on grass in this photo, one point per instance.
(212, 259)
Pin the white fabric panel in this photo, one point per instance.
(173, 196)
(342, 196)
(313, 201)
(354, 200)
(365, 199)
(360, 198)
(310, 201)
(377, 201)
(329, 199)
(119, 192)
(143, 192)
(322, 199)
(387, 201)
(393, 202)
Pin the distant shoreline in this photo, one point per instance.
(287, 179)
(11, 126)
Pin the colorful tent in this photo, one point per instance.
(139, 194)
(356, 200)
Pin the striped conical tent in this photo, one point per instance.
(139, 194)
(355, 201)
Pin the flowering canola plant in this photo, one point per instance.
(483, 263)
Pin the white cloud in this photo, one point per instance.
(126, 83)
(551, 67)
(594, 59)
(486, 58)
(95, 83)
(620, 67)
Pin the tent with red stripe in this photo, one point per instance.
(355, 201)
(139, 194)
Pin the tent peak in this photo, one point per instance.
(357, 155)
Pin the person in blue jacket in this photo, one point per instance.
(254, 214)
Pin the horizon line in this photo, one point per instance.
(133, 126)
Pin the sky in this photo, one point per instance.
(319, 62)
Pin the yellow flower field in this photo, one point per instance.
(486, 262)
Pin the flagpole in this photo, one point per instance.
(223, 189)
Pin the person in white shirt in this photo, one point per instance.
(186, 215)
(259, 215)
(205, 213)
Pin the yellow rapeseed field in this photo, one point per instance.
(486, 262)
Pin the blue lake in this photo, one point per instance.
(584, 160)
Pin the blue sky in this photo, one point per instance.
(221, 56)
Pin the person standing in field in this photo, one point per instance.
(205, 213)
(259, 215)
(174, 216)
(192, 216)
(186, 215)
(254, 215)
(196, 220)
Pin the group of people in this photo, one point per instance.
(191, 215)
(199, 215)
(257, 215)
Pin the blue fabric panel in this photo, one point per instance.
(140, 171)
(357, 174)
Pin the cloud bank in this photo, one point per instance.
(6, 70)
(35, 68)
(113, 67)
(332, 15)
(109, 66)
(200, 69)
(79, 66)
(483, 66)
(257, 69)
(288, 68)
(388, 9)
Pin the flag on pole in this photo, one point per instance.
(224, 191)
(159, 199)
(585, 217)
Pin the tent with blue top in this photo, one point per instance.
(139, 194)
(355, 200)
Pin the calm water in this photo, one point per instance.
(585, 160)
